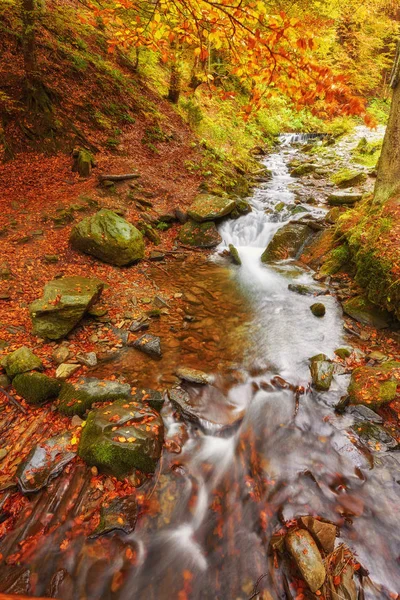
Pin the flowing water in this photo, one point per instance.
(215, 504)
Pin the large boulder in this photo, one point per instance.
(122, 437)
(322, 370)
(36, 388)
(77, 398)
(63, 304)
(109, 237)
(348, 177)
(363, 311)
(374, 386)
(21, 361)
(199, 235)
(207, 207)
(287, 242)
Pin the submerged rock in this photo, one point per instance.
(199, 235)
(207, 207)
(44, 462)
(376, 436)
(122, 437)
(322, 371)
(21, 361)
(63, 304)
(318, 309)
(119, 514)
(374, 386)
(76, 398)
(307, 290)
(363, 311)
(307, 557)
(287, 242)
(36, 388)
(109, 237)
(194, 376)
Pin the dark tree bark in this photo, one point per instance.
(388, 178)
(174, 85)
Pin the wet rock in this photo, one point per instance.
(374, 435)
(303, 169)
(139, 325)
(109, 237)
(63, 304)
(307, 557)
(149, 344)
(363, 311)
(76, 398)
(340, 198)
(343, 353)
(374, 386)
(44, 462)
(194, 376)
(199, 235)
(348, 177)
(318, 309)
(151, 397)
(60, 355)
(205, 406)
(21, 361)
(65, 370)
(234, 255)
(89, 359)
(287, 242)
(366, 414)
(324, 533)
(36, 388)
(207, 207)
(122, 437)
(242, 207)
(322, 370)
(307, 290)
(119, 514)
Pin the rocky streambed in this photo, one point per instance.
(242, 446)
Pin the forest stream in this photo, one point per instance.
(254, 449)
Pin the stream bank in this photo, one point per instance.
(228, 479)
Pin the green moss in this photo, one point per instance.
(77, 398)
(336, 259)
(374, 386)
(36, 388)
(20, 361)
(348, 177)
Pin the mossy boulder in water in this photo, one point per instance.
(109, 237)
(242, 207)
(287, 242)
(318, 309)
(122, 437)
(322, 370)
(207, 207)
(199, 235)
(348, 177)
(374, 386)
(21, 361)
(63, 304)
(36, 388)
(234, 255)
(363, 311)
(76, 398)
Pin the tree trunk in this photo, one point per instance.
(388, 178)
(174, 85)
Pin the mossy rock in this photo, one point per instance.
(83, 162)
(36, 388)
(21, 361)
(207, 207)
(318, 309)
(374, 386)
(199, 235)
(303, 169)
(287, 242)
(234, 255)
(63, 304)
(322, 370)
(363, 311)
(77, 398)
(109, 237)
(122, 437)
(242, 207)
(343, 198)
(149, 396)
(343, 353)
(348, 177)
(337, 259)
